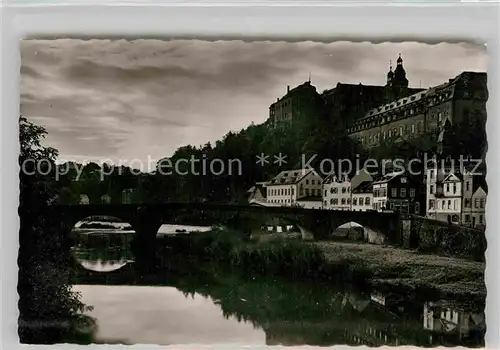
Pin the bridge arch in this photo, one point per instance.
(354, 231)
(102, 243)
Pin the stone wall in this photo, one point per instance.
(434, 236)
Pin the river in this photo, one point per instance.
(184, 304)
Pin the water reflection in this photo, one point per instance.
(102, 246)
(205, 304)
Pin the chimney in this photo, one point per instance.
(288, 88)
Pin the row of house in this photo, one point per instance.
(445, 195)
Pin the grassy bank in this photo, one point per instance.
(407, 269)
(373, 265)
(288, 258)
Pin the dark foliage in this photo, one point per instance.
(49, 309)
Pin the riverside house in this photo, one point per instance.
(289, 186)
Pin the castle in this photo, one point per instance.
(374, 115)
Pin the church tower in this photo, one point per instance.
(399, 82)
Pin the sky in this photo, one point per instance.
(121, 101)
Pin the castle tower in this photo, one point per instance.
(390, 75)
(399, 82)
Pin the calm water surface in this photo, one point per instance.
(163, 315)
(207, 305)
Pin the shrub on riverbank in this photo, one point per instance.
(281, 256)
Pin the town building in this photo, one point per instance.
(362, 197)
(291, 185)
(423, 113)
(397, 191)
(456, 193)
(337, 192)
(84, 199)
(343, 193)
(444, 194)
(474, 200)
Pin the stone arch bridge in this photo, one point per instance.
(146, 219)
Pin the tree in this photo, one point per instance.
(45, 295)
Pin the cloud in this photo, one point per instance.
(131, 99)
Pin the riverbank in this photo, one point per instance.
(391, 267)
(366, 265)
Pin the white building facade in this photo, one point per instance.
(444, 195)
(291, 185)
(337, 192)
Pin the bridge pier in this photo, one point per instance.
(146, 225)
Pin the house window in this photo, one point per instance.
(360, 200)
(467, 218)
(394, 192)
(467, 185)
(403, 192)
(467, 203)
(335, 201)
(343, 189)
(313, 182)
(325, 203)
(482, 202)
(332, 200)
(431, 189)
(348, 200)
(343, 201)
(449, 203)
(447, 187)
(481, 219)
(367, 200)
(413, 128)
(412, 192)
(307, 182)
(417, 207)
(326, 192)
(454, 188)
(431, 174)
(431, 203)
(476, 203)
(307, 192)
(293, 191)
(355, 201)
(335, 190)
